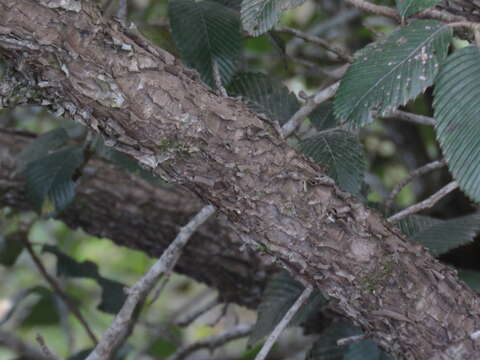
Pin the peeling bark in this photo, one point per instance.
(149, 106)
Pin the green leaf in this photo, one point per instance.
(365, 349)
(413, 224)
(206, 32)
(280, 294)
(49, 179)
(19, 298)
(232, 4)
(471, 277)
(323, 116)
(265, 95)
(45, 311)
(113, 294)
(326, 348)
(410, 7)
(259, 16)
(457, 111)
(41, 146)
(11, 247)
(342, 154)
(391, 71)
(449, 234)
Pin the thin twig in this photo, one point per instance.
(351, 339)
(213, 342)
(59, 291)
(138, 292)
(425, 204)
(46, 351)
(191, 317)
(413, 118)
(21, 348)
(425, 169)
(342, 54)
(272, 338)
(312, 102)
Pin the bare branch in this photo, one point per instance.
(425, 169)
(341, 53)
(46, 351)
(59, 291)
(312, 102)
(425, 204)
(113, 336)
(413, 118)
(272, 338)
(20, 347)
(351, 339)
(214, 341)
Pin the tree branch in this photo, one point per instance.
(276, 200)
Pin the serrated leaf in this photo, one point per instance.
(265, 95)
(410, 7)
(280, 294)
(449, 234)
(206, 32)
(259, 16)
(457, 111)
(413, 224)
(323, 116)
(11, 247)
(50, 178)
(113, 294)
(342, 154)
(391, 71)
(41, 146)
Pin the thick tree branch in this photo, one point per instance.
(151, 107)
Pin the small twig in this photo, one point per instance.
(218, 79)
(272, 338)
(58, 290)
(413, 118)
(213, 342)
(138, 292)
(341, 53)
(191, 317)
(46, 351)
(323, 95)
(351, 339)
(425, 169)
(122, 11)
(425, 204)
(223, 312)
(21, 348)
(163, 282)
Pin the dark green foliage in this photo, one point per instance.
(50, 183)
(391, 71)
(10, 249)
(410, 7)
(280, 294)
(457, 111)
(259, 16)
(206, 32)
(265, 95)
(113, 295)
(341, 153)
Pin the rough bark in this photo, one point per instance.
(275, 199)
(133, 213)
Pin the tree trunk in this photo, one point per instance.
(276, 200)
